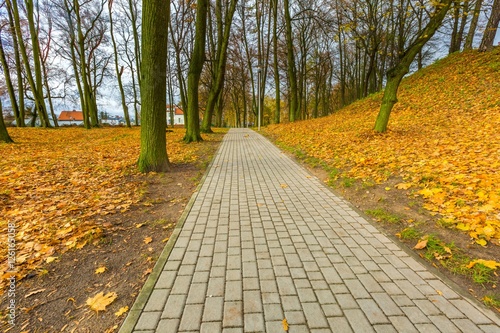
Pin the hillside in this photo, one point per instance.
(442, 150)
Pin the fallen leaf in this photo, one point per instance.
(138, 225)
(439, 292)
(148, 240)
(100, 301)
(165, 240)
(421, 244)
(50, 259)
(284, 185)
(403, 186)
(481, 242)
(488, 263)
(285, 325)
(121, 311)
(100, 270)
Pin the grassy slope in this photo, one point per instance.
(443, 141)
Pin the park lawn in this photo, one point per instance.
(57, 184)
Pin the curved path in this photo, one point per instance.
(263, 240)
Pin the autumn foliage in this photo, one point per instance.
(443, 141)
(56, 185)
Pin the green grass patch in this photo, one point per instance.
(410, 233)
(383, 216)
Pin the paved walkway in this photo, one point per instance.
(264, 240)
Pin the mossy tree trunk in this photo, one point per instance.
(396, 74)
(4, 135)
(153, 156)
(194, 73)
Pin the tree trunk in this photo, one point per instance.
(454, 44)
(195, 68)
(224, 30)
(473, 25)
(153, 156)
(19, 68)
(119, 71)
(292, 74)
(277, 111)
(36, 86)
(491, 28)
(396, 74)
(4, 135)
(10, 85)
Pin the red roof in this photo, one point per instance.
(71, 116)
(177, 110)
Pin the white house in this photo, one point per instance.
(70, 118)
(178, 115)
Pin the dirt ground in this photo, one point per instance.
(54, 298)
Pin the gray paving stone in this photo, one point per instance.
(174, 307)
(340, 324)
(254, 322)
(211, 327)
(191, 318)
(157, 300)
(213, 309)
(403, 324)
(372, 311)
(358, 321)
(148, 320)
(168, 326)
(233, 314)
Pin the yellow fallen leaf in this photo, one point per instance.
(489, 231)
(463, 227)
(100, 301)
(285, 325)
(439, 292)
(138, 225)
(284, 185)
(403, 186)
(148, 240)
(481, 242)
(50, 259)
(421, 244)
(387, 188)
(121, 311)
(165, 240)
(100, 270)
(488, 263)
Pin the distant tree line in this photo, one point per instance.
(313, 57)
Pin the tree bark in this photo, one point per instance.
(4, 135)
(36, 86)
(195, 68)
(277, 111)
(292, 71)
(153, 156)
(491, 28)
(10, 85)
(396, 74)
(119, 71)
(223, 32)
(473, 25)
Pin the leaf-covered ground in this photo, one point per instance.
(57, 185)
(443, 141)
